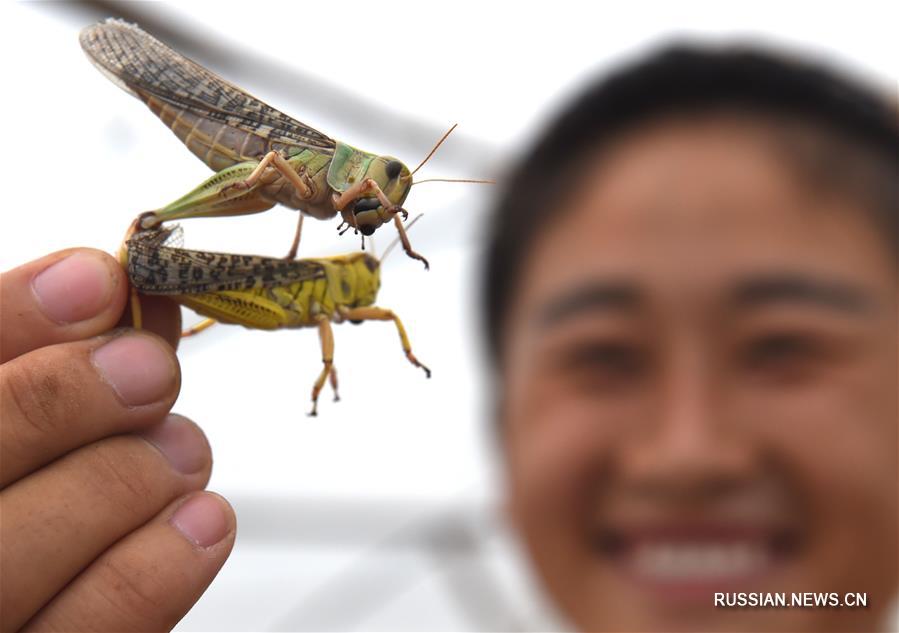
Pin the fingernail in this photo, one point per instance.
(138, 367)
(182, 442)
(201, 519)
(73, 289)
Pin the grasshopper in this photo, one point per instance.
(261, 156)
(265, 293)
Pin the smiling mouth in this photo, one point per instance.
(684, 559)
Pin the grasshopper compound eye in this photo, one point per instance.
(393, 169)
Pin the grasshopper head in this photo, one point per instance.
(395, 180)
(368, 279)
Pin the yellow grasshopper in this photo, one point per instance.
(264, 293)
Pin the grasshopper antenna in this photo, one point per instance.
(434, 149)
(397, 239)
(428, 157)
(474, 180)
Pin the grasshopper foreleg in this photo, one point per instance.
(368, 186)
(363, 187)
(381, 314)
(404, 239)
(360, 189)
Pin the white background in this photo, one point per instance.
(382, 513)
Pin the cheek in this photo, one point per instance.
(552, 453)
(550, 463)
(556, 452)
(839, 441)
(560, 438)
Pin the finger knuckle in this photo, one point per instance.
(136, 588)
(126, 477)
(41, 396)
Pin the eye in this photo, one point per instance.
(604, 364)
(781, 352)
(393, 169)
(367, 229)
(615, 356)
(777, 347)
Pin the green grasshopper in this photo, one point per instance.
(265, 293)
(261, 156)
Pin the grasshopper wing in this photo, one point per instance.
(155, 268)
(220, 123)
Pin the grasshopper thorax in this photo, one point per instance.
(366, 272)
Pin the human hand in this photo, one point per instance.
(103, 524)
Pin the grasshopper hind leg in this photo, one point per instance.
(137, 319)
(193, 330)
(333, 378)
(326, 335)
(222, 194)
(134, 298)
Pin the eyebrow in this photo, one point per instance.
(753, 292)
(793, 288)
(595, 296)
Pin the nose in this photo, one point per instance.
(689, 446)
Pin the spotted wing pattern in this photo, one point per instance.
(156, 268)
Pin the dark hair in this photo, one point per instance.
(684, 80)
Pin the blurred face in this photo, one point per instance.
(700, 391)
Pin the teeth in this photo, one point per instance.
(698, 561)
